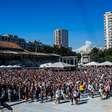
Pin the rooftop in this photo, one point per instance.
(9, 45)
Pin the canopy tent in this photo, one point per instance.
(106, 63)
(16, 66)
(92, 64)
(56, 65)
(46, 65)
(10, 66)
(61, 65)
(3, 66)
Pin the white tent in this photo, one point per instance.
(92, 64)
(46, 65)
(10, 66)
(106, 63)
(61, 65)
(2, 66)
(56, 65)
(16, 66)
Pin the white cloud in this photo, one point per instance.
(86, 48)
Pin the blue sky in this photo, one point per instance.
(37, 19)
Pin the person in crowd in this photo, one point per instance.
(76, 95)
(57, 100)
(3, 100)
(91, 89)
(38, 90)
(82, 87)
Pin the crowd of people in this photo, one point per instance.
(44, 85)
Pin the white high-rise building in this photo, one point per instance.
(108, 29)
(61, 38)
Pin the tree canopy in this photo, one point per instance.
(100, 55)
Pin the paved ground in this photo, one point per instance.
(93, 105)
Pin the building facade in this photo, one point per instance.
(85, 58)
(13, 38)
(61, 38)
(72, 60)
(31, 46)
(108, 29)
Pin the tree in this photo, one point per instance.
(94, 54)
(101, 55)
